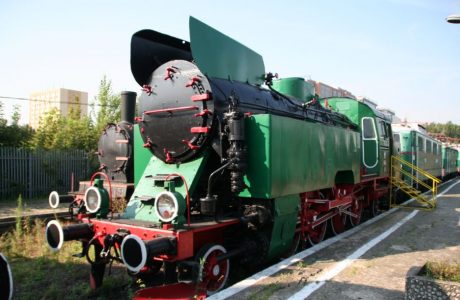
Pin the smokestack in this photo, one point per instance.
(128, 106)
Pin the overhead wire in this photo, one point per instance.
(54, 101)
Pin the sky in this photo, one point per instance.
(402, 54)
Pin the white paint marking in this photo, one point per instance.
(240, 286)
(339, 267)
(310, 288)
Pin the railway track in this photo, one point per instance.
(8, 223)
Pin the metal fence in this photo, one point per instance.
(36, 173)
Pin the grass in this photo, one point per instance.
(443, 271)
(39, 273)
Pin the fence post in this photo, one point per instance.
(29, 175)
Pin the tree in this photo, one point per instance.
(108, 105)
(449, 129)
(73, 131)
(16, 115)
(14, 135)
(48, 128)
(58, 132)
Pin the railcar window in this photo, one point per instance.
(396, 138)
(420, 144)
(383, 130)
(368, 128)
(428, 146)
(435, 149)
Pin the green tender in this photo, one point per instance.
(288, 156)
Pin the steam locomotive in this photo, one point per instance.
(245, 168)
(116, 162)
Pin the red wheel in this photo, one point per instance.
(213, 273)
(356, 209)
(317, 233)
(374, 208)
(338, 223)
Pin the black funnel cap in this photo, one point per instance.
(128, 106)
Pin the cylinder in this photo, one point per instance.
(128, 106)
(135, 252)
(56, 235)
(55, 199)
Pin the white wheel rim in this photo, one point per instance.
(205, 257)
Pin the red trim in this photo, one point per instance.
(202, 97)
(169, 158)
(190, 145)
(193, 81)
(169, 72)
(203, 113)
(187, 240)
(121, 158)
(148, 89)
(365, 180)
(173, 109)
(186, 192)
(148, 143)
(407, 153)
(122, 141)
(199, 129)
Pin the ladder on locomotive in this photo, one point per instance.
(403, 172)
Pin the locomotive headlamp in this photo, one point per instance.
(96, 199)
(93, 199)
(169, 205)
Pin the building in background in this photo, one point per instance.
(326, 91)
(63, 99)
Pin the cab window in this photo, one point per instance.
(383, 130)
(368, 128)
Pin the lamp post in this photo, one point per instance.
(454, 19)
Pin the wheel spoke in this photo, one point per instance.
(338, 223)
(357, 209)
(316, 235)
(214, 272)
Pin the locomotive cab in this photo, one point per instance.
(376, 133)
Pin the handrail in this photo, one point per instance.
(421, 171)
(397, 164)
(421, 182)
